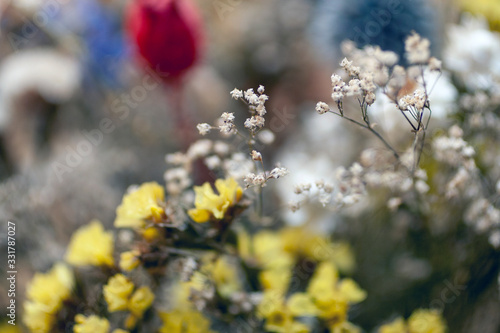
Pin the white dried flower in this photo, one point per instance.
(417, 49)
(322, 108)
(336, 80)
(328, 188)
(255, 122)
(337, 96)
(455, 131)
(435, 64)
(367, 83)
(251, 97)
(227, 128)
(261, 110)
(261, 89)
(370, 98)
(260, 180)
(204, 128)
(388, 58)
(305, 186)
(227, 116)
(349, 68)
(177, 180)
(266, 136)
(263, 98)
(177, 158)
(249, 179)
(221, 148)
(394, 203)
(236, 93)
(213, 162)
(324, 198)
(494, 240)
(297, 189)
(256, 156)
(421, 187)
(354, 88)
(294, 206)
(200, 148)
(278, 172)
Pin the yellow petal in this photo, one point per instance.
(301, 304)
(396, 326)
(199, 215)
(351, 291)
(323, 281)
(140, 301)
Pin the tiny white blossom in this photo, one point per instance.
(279, 172)
(261, 89)
(204, 128)
(435, 64)
(213, 162)
(236, 93)
(256, 156)
(322, 108)
(228, 116)
(417, 49)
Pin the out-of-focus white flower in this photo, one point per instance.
(50, 73)
(473, 52)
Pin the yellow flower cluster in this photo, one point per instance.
(91, 245)
(45, 295)
(145, 203)
(421, 321)
(93, 324)
(280, 313)
(327, 297)
(223, 273)
(277, 252)
(211, 205)
(129, 260)
(184, 318)
(120, 296)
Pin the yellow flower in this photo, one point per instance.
(37, 318)
(117, 292)
(330, 297)
(119, 330)
(142, 204)
(301, 242)
(129, 260)
(421, 321)
(426, 321)
(91, 245)
(90, 324)
(45, 295)
(223, 272)
(184, 321)
(5, 327)
(396, 326)
(208, 204)
(264, 249)
(279, 314)
(275, 279)
(140, 301)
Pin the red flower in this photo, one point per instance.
(167, 34)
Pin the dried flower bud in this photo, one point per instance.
(204, 128)
(256, 156)
(322, 108)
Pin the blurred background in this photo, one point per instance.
(95, 93)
